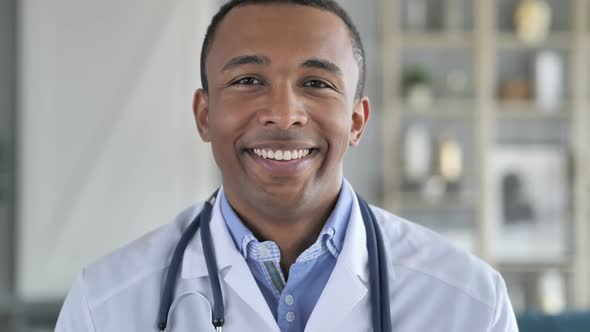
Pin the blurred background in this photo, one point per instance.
(480, 131)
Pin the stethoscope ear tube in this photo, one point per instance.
(374, 278)
(204, 217)
(218, 311)
(378, 276)
(384, 276)
(173, 271)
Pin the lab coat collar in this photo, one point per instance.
(347, 286)
(193, 263)
(348, 283)
(238, 276)
(354, 254)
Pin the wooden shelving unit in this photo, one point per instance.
(484, 115)
(556, 40)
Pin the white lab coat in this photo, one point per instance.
(434, 287)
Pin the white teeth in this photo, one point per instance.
(281, 154)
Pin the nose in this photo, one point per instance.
(284, 110)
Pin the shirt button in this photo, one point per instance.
(290, 316)
(264, 251)
(289, 300)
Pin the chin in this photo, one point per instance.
(284, 195)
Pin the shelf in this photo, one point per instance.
(443, 108)
(443, 40)
(492, 56)
(515, 110)
(555, 40)
(534, 266)
(448, 202)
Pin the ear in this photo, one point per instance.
(360, 117)
(201, 113)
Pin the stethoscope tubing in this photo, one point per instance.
(378, 272)
(211, 262)
(175, 262)
(378, 276)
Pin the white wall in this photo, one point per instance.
(108, 146)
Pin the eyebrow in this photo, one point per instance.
(323, 64)
(245, 60)
(264, 60)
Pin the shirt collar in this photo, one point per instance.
(239, 232)
(334, 229)
(354, 254)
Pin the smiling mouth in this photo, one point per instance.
(283, 155)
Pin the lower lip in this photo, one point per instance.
(283, 167)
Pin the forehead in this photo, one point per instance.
(285, 33)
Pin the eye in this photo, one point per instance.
(316, 84)
(247, 81)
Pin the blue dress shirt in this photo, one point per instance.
(292, 301)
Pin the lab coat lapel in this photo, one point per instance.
(341, 300)
(240, 279)
(237, 276)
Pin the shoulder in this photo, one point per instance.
(141, 259)
(417, 251)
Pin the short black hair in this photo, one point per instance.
(328, 5)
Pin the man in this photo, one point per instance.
(282, 101)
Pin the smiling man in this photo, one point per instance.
(286, 244)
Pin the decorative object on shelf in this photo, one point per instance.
(529, 202)
(516, 89)
(434, 188)
(417, 15)
(551, 290)
(449, 160)
(453, 17)
(549, 80)
(417, 153)
(416, 85)
(532, 20)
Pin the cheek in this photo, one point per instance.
(335, 122)
(224, 125)
(227, 118)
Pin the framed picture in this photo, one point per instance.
(530, 203)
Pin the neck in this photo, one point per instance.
(293, 230)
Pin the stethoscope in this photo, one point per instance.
(378, 277)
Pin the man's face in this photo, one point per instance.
(282, 80)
